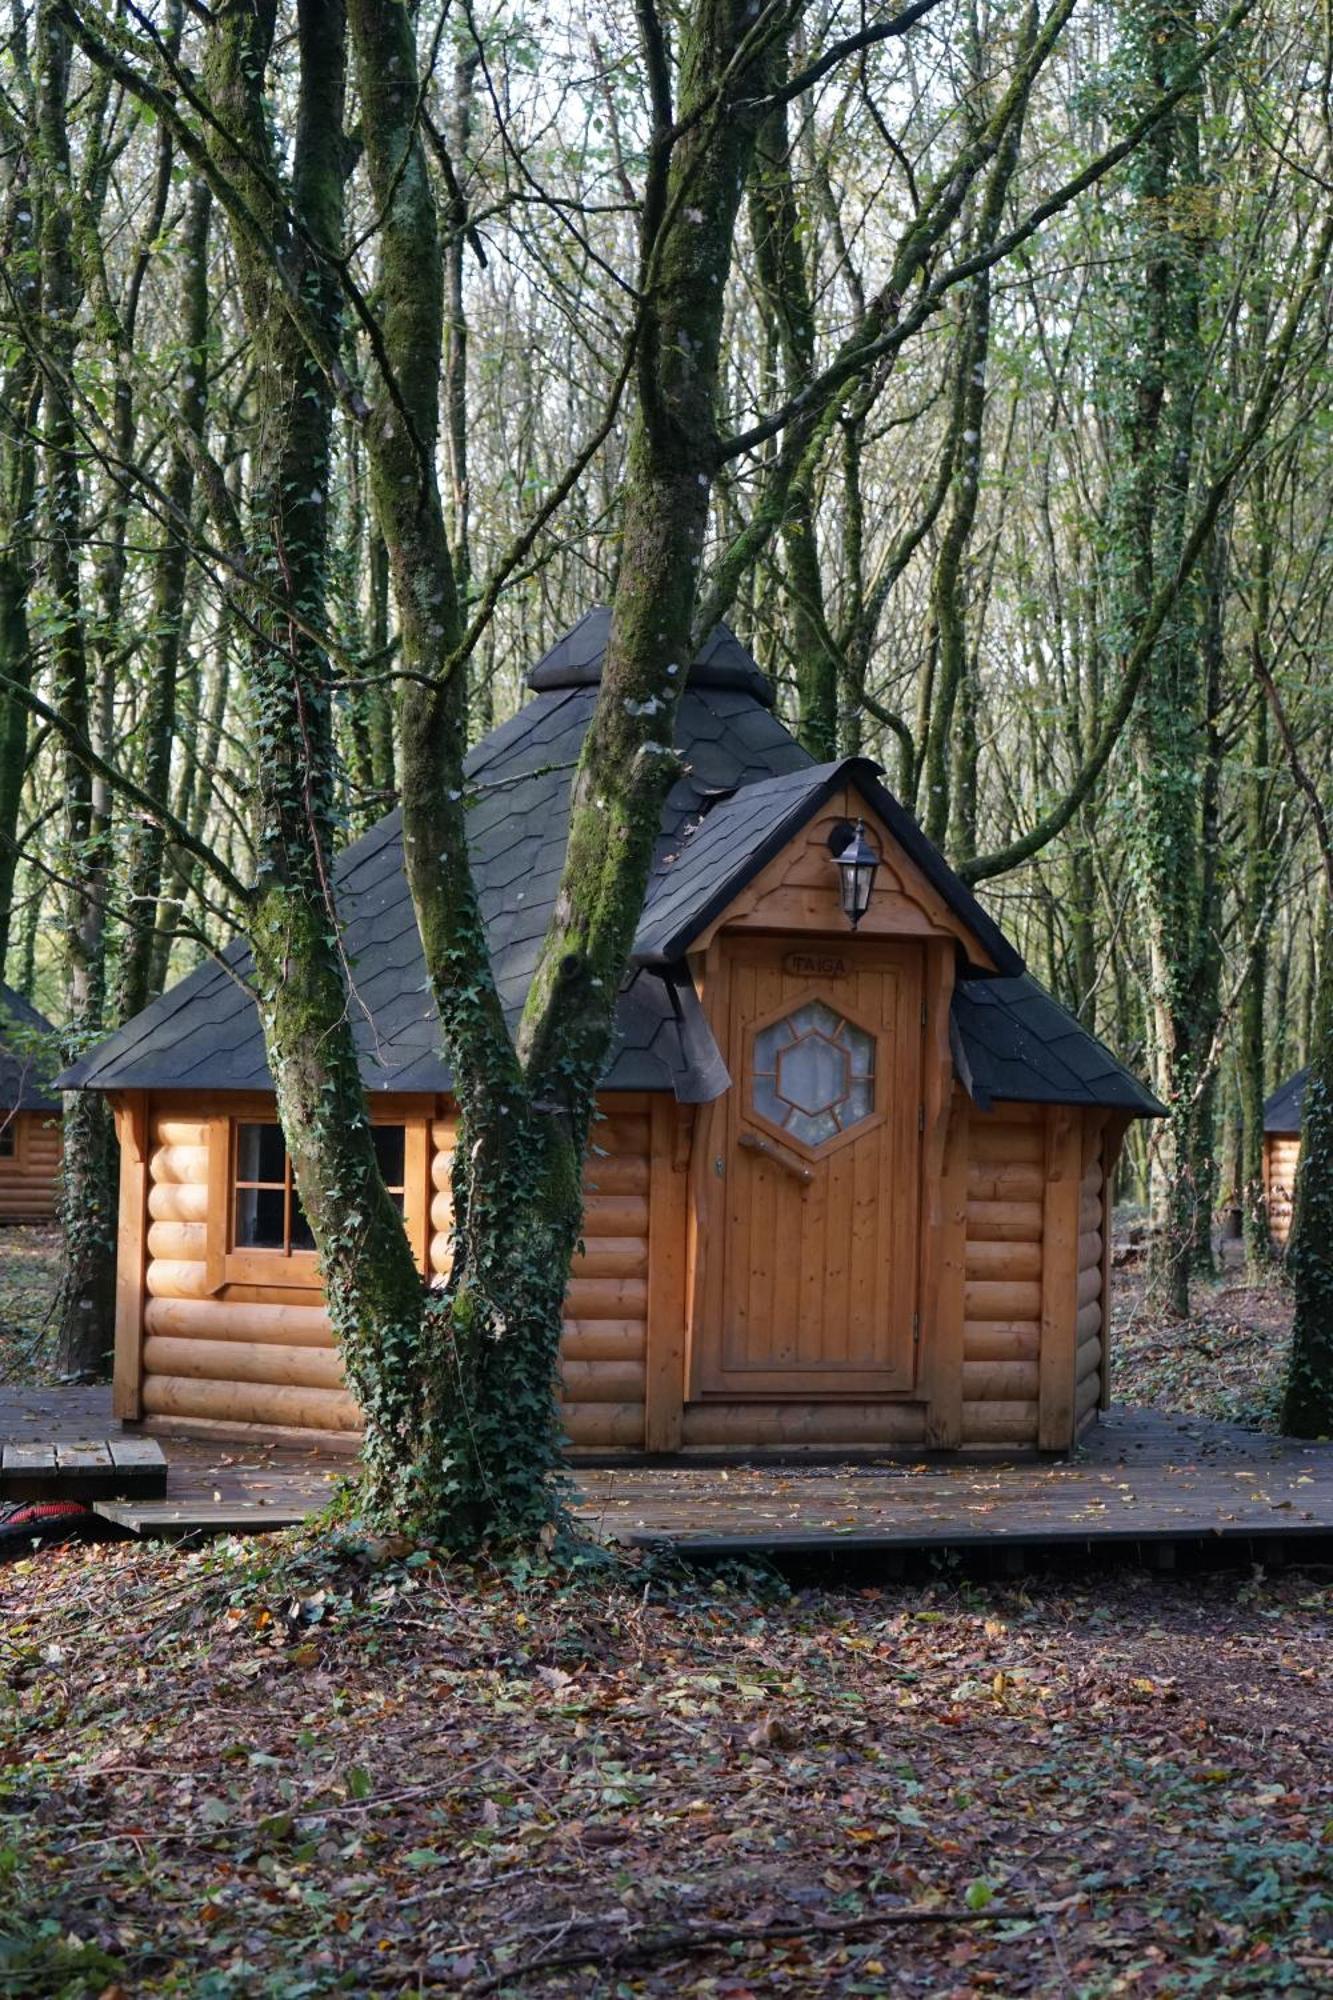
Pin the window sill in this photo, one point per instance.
(299, 1272)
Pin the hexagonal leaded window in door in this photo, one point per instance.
(814, 1073)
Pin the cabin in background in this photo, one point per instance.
(1282, 1152)
(29, 1114)
(850, 1184)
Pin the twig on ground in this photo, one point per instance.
(704, 1937)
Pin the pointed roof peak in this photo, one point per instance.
(728, 846)
(576, 660)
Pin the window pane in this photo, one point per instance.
(259, 1218)
(862, 1050)
(260, 1153)
(8, 1138)
(860, 1103)
(766, 1045)
(767, 1102)
(303, 1236)
(390, 1146)
(812, 1131)
(813, 1074)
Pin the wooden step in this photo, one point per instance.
(167, 1521)
(118, 1468)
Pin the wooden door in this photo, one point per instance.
(820, 1172)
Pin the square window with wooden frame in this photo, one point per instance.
(9, 1137)
(266, 1209)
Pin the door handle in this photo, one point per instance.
(754, 1144)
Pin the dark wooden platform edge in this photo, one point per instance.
(1025, 1541)
(89, 1469)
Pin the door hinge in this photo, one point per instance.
(916, 1328)
(920, 1117)
(925, 1013)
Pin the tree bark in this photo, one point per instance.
(1162, 365)
(86, 1305)
(20, 396)
(779, 256)
(371, 1283)
(1307, 1404)
(147, 842)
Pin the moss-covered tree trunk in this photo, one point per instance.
(86, 1303)
(146, 846)
(1157, 377)
(780, 236)
(1259, 870)
(1307, 1405)
(484, 1355)
(293, 311)
(20, 393)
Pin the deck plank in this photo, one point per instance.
(83, 1457)
(1143, 1477)
(169, 1521)
(80, 1468)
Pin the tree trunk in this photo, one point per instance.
(1162, 367)
(1259, 868)
(86, 1305)
(1307, 1404)
(20, 393)
(953, 681)
(143, 863)
(371, 1282)
(487, 1444)
(779, 255)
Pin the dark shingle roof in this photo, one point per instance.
(25, 1068)
(576, 660)
(1020, 1043)
(204, 1033)
(1282, 1112)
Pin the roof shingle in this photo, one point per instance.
(204, 1032)
(26, 1065)
(1283, 1110)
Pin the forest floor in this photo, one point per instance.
(310, 1766)
(1226, 1361)
(316, 1764)
(29, 1273)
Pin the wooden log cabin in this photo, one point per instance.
(848, 1189)
(1282, 1153)
(29, 1114)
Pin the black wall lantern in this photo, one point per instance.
(858, 863)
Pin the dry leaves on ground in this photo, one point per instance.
(287, 1769)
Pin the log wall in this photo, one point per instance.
(1002, 1276)
(1032, 1298)
(1282, 1152)
(1093, 1303)
(30, 1176)
(603, 1350)
(1034, 1289)
(224, 1353)
(265, 1354)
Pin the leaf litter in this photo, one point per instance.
(317, 1764)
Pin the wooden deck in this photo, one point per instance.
(1143, 1477)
